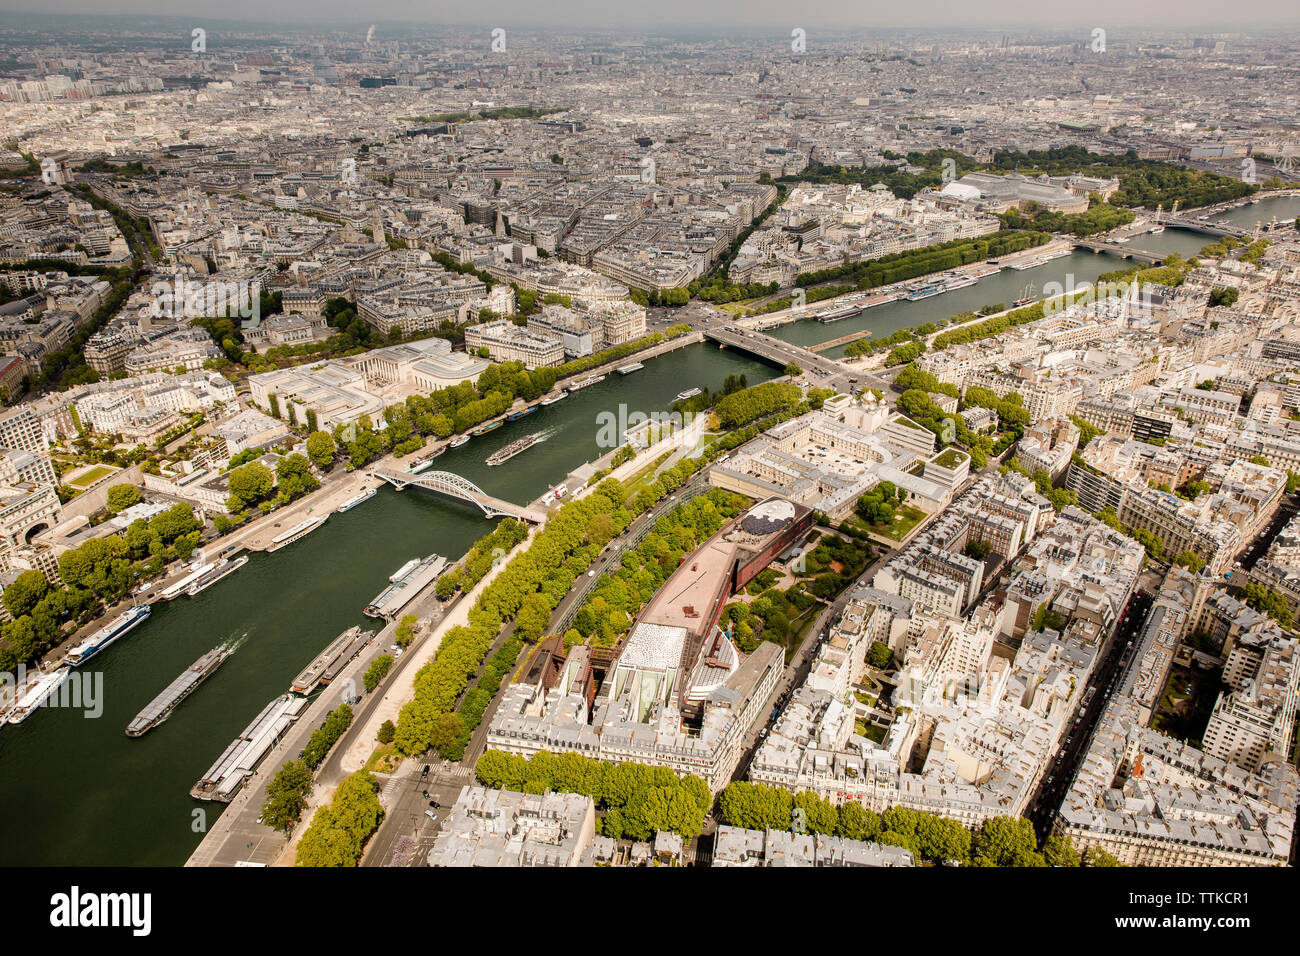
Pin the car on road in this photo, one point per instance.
(431, 815)
(424, 774)
(435, 804)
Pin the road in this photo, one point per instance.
(1257, 546)
(1117, 654)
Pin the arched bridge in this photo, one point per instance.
(1121, 250)
(451, 485)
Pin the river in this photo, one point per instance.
(78, 791)
(1009, 284)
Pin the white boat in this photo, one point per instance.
(108, 634)
(404, 570)
(584, 383)
(689, 393)
(629, 369)
(224, 569)
(558, 398)
(200, 572)
(457, 442)
(37, 693)
(300, 530)
(353, 502)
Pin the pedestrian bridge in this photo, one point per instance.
(451, 485)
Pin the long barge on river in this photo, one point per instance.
(505, 453)
(397, 595)
(160, 708)
(331, 660)
(239, 761)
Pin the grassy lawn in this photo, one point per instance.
(384, 759)
(905, 519)
(735, 308)
(88, 478)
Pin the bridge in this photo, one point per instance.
(451, 485)
(780, 353)
(1205, 226)
(1121, 250)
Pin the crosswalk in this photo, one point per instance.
(456, 771)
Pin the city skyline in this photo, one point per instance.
(673, 16)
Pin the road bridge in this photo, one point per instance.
(1120, 249)
(1218, 228)
(820, 370)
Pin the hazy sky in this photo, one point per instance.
(671, 15)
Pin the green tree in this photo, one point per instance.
(121, 497)
(376, 672)
(320, 449)
(1060, 851)
(286, 796)
(249, 484)
(338, 833)
(25, 593)
(446, 733)
(1096, 856)
(1007, 841)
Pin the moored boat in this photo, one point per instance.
(353, 502)
(106, 635)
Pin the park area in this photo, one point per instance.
(79, 479)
